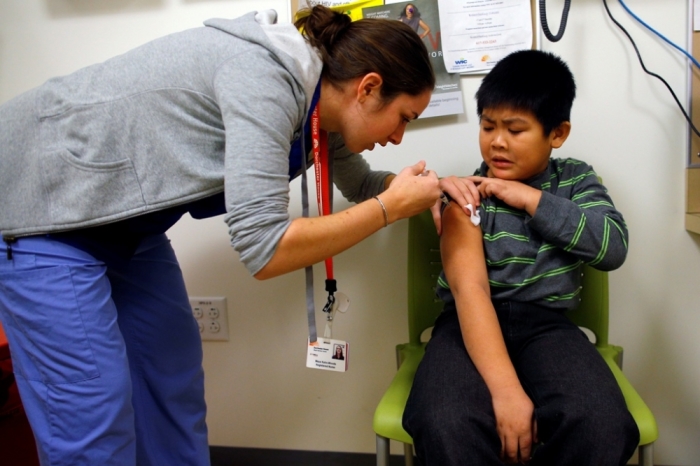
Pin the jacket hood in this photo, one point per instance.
(283, 40)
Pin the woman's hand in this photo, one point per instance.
(462, 190)
(411, 192)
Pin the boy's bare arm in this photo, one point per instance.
(465, 268)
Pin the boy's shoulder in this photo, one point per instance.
(569, 164)
(570, 169)
(570, 177)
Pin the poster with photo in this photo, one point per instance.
(423, 17)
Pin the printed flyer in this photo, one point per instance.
(478, 33)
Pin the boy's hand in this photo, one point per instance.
(513, 193)
(515, 426)
(462, 190)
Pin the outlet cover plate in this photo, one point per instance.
(211, 315)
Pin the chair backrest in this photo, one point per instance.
(424, 267)
(425, 264)
(592, 313)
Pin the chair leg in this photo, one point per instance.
(408, 453)
(382, 451)
(646, 455)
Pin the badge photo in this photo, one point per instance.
(328, 354)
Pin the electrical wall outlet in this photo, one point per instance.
(211, 316)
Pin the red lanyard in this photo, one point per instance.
(319, 141)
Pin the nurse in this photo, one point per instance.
(97, 165)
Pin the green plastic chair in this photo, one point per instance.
(424, 266)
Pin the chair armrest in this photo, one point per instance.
(648, 430)
(389, 412)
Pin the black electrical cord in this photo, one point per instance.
(641, 62)
(562, 23)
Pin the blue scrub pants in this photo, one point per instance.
(107, 354)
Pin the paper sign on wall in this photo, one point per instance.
(478, 33)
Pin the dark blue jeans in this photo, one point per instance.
(581, 414)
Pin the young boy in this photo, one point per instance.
(505, 371)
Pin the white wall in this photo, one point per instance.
(624, 123)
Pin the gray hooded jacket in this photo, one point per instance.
(176, 120)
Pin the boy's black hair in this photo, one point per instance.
(530, 80)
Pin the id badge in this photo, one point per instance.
(328, 354)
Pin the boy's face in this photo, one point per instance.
(513, 143)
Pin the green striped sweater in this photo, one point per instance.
(537, 259)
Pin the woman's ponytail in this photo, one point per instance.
(351, 50)
(322, 27)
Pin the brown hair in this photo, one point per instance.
(351, 49)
